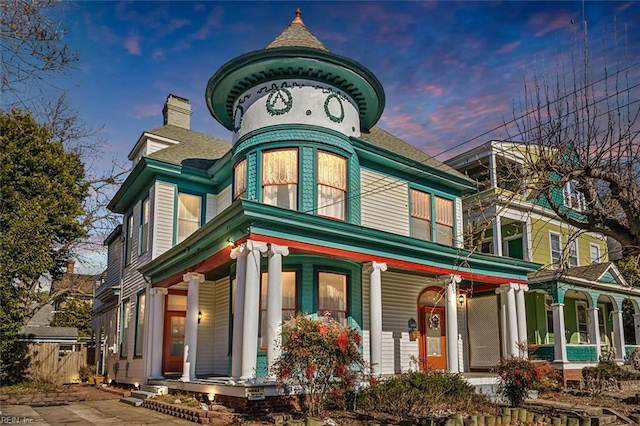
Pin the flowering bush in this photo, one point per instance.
(517, 377)
(547, 377)
(320, 356)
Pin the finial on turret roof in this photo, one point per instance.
(298, 19)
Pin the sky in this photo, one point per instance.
(451, 71)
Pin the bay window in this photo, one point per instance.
(188, 215)
(240, 180)
(288, 302)
(332, 296)
(332, 185)
(280, 178)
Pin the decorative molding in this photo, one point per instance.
(278, 249)
(238, 116)
(252, 176)
(294, 134)
(307, 180)
(195, 277)
(261, 246)
(158, 291)
(237, 252)
(276, 98)
(376, 266)
(335, 118)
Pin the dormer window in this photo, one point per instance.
(573, 198)
(280, 178)
(240, 180)
(332, 185)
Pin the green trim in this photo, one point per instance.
(140, 239)
(253, 171)
(433, 194)
(135, 335)
(176, 201)
(122, 355)
(253, 68)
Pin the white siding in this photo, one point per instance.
(459, 224)
(399, 303)
(204, 353)
(153, 146)
(221, 327)
(224, 199)
(163, 217)
(211, 207)
(385, 202)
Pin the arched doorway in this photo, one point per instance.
(432, 326)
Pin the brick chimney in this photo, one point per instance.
(177, 111)
(71, 264)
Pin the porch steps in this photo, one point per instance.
(132, 401)
(155, 389)
(140, 394)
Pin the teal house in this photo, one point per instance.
(309, 208)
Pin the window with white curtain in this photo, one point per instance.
(332, 185)
(420, 215)
(332, 296)
(556, 249)
(288, 302)
(239, 180)
(188, 215)
(444, 221)
(280, 178)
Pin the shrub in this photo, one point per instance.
(547, 377)
(517, 378)
(86, 372)
(418, 394)
(320, 357)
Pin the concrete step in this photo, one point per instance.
(606, 419)
(132, 401)
(156, 389)
(140, 394)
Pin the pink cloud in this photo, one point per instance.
(157, 54)
(544, 23)
(507, 48)
(146, 110)
(432, 89)
(132, 44)
(624, 6)
(403, 126)
(198, 7)
(176, 24)
(213, 20)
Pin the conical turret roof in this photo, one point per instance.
(297, 35)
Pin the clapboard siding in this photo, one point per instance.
(153, 146)
(221, 327)
(224, 199)
(384, 202)
(399, 303)
(459, 224)
(204, 353)
(211, 207)
(163, 217)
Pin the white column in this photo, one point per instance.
(559, 339)
(594, 330)
(497, 235)
(274, 304)
(155, 326)
(240, 255)
(191, 325)
(375, 315)
(451, 315)
(512, 320)
(251, 309)
(493, 175)
(618, 334)
(528, 241)
(636, 325)
(521, 319)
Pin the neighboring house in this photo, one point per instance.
(577, 287)
(312, 209)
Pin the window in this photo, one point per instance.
(420, 215)
(188, 215)
(280, 178)
(239, 180)
(124, 333)
(288, 302)
(128, 243)
(573, 198)
(332, 296)
(486, 247)
(332, 185)
(582, 317)
(594, 250)
(144, 226)
(114, 252)
(139, 325)
(549, 312)
(556, 250)
(572, 258)
(444, 221)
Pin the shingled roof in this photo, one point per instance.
(194, 149)
(385, 140)
(589, 272)
(297, 35)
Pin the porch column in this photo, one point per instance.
(191, 325)
(155, 326)
(240, 255)
(510, 318)
(274, 304)
(559, 339)
(251, 309)
(618, 334)
(527, 240)
(636, 325)
(451, 314)
(594, 330)
(497, 235)
(522, 319)
(375, 316)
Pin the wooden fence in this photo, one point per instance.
(56, 362)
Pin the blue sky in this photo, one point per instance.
(451, 70)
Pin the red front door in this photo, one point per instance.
(433, 338)
(173, 342)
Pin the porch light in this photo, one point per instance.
(211, 396)
(199, 317)
(461, 299)
(412, 324)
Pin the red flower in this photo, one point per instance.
(373, 381)
(357, 338)
(342, 341)
(323, 329)
(294, 336)
(284, 373)
(310, 370)
(340, 370)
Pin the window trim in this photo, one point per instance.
(138, 346)
(124, 331)
(347, 275)
(572, 243)
(344, 191)
(433, 218)
(262, 309)
(295, 149)
(244, 180)
(591, 260)
(551, 235)
(128, 240)
(143, 243)
(177, 214)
